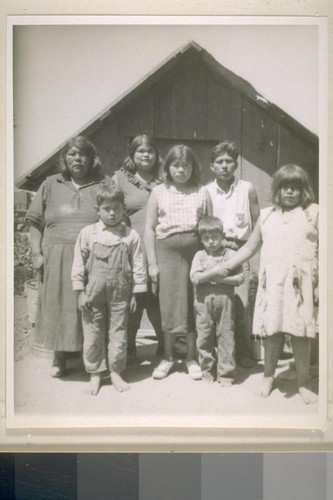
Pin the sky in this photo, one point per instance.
(64, 75)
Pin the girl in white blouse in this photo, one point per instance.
(173, 212)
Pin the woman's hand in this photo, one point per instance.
(83, 302)
(37, 261)
(153, 272)
(38, 264)
(133, 304)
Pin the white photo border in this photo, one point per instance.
(73, 433)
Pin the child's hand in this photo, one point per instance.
(84, 303)
(221, 270)
(153, 272)
(133, 304)
(230, 244)
(195, 279)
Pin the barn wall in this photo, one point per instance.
(191, 105)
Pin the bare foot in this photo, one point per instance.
(95, 383)
(308, 396)
(266, 386)
(208, 380)
(224, 382)
(118, 382)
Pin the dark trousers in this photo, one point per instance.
(149, 302)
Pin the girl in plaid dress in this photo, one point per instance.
(173, 212)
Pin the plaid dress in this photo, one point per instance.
(176, 244)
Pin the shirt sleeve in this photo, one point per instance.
(81, 254)
(138, 267)
(196, 266)
(36, 209)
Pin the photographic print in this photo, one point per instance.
(169, 260)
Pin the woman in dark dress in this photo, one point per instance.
(63, 205)
(136, 178)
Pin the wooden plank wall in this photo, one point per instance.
(191, 104)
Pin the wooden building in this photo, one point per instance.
(192, 99)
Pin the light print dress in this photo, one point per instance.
(288, 272)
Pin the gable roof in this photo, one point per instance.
(191, 50)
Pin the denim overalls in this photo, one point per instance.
(109, 289)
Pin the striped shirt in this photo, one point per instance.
(178, 211)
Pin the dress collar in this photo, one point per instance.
(141, 184)
(94, 179)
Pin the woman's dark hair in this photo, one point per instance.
(88, 148)
(292, 174)
(185, 154)
(128, 164)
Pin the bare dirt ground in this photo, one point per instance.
(177, 398)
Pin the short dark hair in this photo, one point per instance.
(85, 145)
(224, 147)
(107, 194)
(181, 152)
(210, 224)
(292, 174)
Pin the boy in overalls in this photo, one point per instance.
(107, 272)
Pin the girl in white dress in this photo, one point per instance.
(288, 277)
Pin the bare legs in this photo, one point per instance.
(301, 349)
(273, 346)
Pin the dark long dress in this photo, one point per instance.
(60, 211)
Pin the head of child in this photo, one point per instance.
(291, 188)
(181, 167)
(142, 156)
(211, 234)
(223, 161)
(110, 206)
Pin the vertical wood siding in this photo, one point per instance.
(190, 104)
(224, 112)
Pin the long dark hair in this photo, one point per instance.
(128, 164)
(181, 153)
(88, 148)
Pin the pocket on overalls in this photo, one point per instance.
(102, 252)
